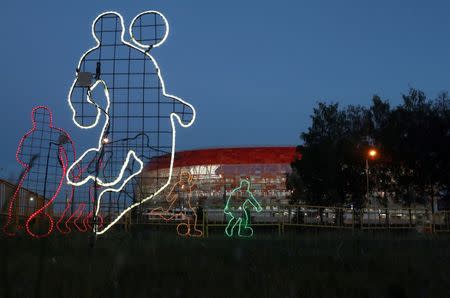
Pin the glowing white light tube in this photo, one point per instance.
(131, 153)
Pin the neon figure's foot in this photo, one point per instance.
(246, 232)
(229, 232)
(196, 233)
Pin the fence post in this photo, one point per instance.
(433, 228)
(361, 218)
(388, 218)
(204, 220)
(353, 220)
(205, 227)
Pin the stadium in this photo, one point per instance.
(216, 172)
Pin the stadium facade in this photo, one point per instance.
(216, 172)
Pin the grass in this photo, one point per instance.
(159, 264)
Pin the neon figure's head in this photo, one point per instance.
(41, 117)
(110, 17)
(185, 178)
(245, 184)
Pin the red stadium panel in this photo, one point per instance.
(228, 156)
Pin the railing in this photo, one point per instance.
(320, 217)
(294, 217)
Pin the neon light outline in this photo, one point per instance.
(170, 198)
(61, 152)
(78, 213)
(100, 145)
(131, 152)
(239, 221)
(130, 30)
(63, 215)
(91, 213)
(27, 166)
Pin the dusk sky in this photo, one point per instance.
(254, 70)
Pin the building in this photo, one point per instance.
(216, 172)
(26, 202)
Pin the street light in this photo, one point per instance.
(372, 154)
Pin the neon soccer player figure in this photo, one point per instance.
(139, 117)
(237, 216)
(44, 153)
(183, 185)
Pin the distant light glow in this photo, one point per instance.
(373, 153)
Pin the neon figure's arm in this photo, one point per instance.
(254, 202)
(227, 205)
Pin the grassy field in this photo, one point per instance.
(159, 264)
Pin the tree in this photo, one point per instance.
(413, 138)
(331, 170)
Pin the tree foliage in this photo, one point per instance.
(413, 140)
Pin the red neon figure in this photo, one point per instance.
(76, 217)
(33, 151)
(185, 185)
(66, 228)
(82, 228)
(81, 218)
(62, 156)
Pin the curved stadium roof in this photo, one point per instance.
(238, 155)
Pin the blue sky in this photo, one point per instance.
(253, 69)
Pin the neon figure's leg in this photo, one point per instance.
(170, 207)
(62, 156)
(231, 225)
(76, 170)
(63, 215)
(197, 232)
(6, 227)
(244, 229)
(132, 157)
(77, 214)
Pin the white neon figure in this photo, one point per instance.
(116, 185)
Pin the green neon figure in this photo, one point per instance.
(240, 217)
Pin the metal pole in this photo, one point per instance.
(224, 199)
(46, 170)
(42, 254)
(94, 210)
(367, 180)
